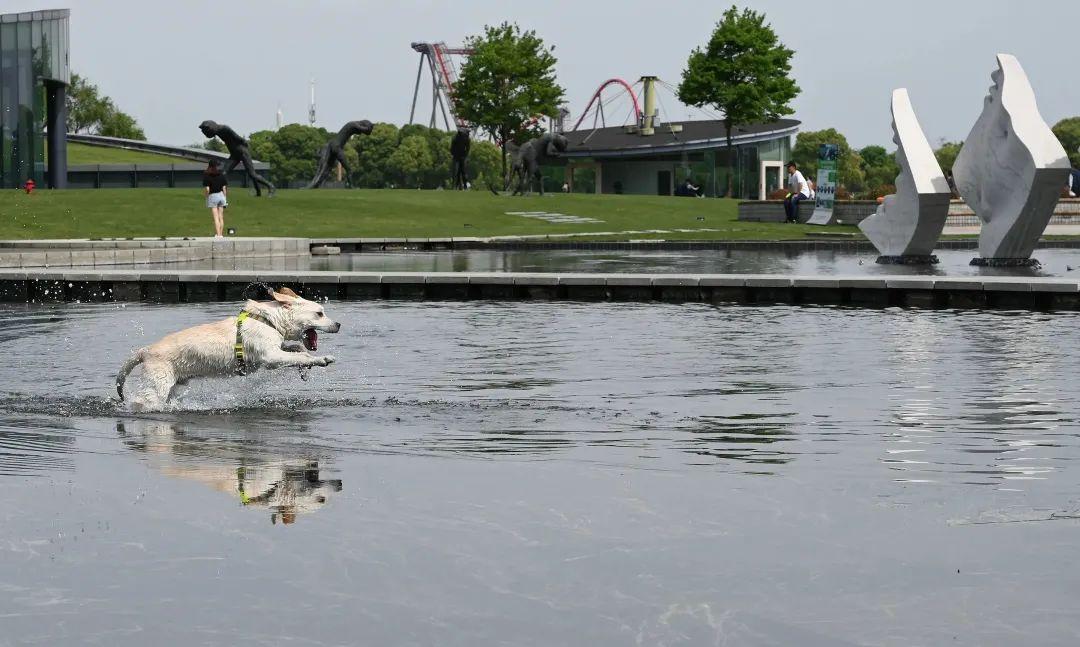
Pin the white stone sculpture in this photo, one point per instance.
(1011, 168)
(908, 223)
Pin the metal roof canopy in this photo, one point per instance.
(695, 135)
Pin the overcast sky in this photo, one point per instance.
(174, 64)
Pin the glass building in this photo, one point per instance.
(34, 75)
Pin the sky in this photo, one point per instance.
(173, 64)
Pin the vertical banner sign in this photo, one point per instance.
(826, 185)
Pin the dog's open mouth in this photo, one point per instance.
(311, 339)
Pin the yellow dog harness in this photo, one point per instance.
(238, 347)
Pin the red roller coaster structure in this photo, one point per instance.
(600, 106)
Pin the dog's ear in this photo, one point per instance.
(285, 297)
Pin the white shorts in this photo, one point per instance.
(216, 200)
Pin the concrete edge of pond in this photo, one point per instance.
(176, 286)
(512, 243)
(98, 253)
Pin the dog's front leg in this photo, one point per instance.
(293, 346)
(282, 359)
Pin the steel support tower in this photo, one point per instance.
(438, 58)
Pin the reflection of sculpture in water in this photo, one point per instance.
(459, 152)
(238, 152)
(257, 475)
(530, 157)
(334, 151)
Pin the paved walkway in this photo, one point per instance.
(1051, 230)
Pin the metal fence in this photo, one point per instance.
(157, 176)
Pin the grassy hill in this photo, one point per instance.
(87, 154)
(375, 213)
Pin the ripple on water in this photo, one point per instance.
(892, 395)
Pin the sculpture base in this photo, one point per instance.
(929, 259)
(1006, 262)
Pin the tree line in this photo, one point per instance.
(406, 157)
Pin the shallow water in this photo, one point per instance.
(550, 474)
(1055, 262)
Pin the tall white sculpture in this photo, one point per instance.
(908, 223)
(1011, 168)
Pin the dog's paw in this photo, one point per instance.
(326, 360)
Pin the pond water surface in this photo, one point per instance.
(550, 474)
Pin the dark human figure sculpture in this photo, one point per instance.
(334, 151)
(530, 157)
(238, 152)
(459, 152)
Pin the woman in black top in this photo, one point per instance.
(215, 186)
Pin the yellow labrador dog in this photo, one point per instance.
(267, 334)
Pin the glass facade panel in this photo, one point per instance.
(32, 53)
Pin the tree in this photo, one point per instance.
(1068, 133)
(879, 169)
(88, 111)
(367, 156)
(946, 154)
(507, 81)
(743, 72)
(214, 144)
(484, 168)
(849, 164)
(85, 107)
(120, 124)
(410, 160)
(292, 151)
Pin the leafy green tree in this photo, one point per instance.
(438, 142)
(88, 111)
(121, 124)
(410, 161)
(849, 164)
(1068, 133)
(507, 81)
(879, 170)
(214, 144)
(946, 154)
(367, 156)
(742, 72)
(292, 152)
(484, 165)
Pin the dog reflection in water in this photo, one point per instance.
(257, 475)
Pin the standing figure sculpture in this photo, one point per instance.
(334, 151)
(459, 152)
(529, 158)
(238, 152)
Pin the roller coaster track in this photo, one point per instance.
(596, 97)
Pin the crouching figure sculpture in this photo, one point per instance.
(334, 151)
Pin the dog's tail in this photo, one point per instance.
(133, 361)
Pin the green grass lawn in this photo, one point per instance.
(87, 154)
(102, 213)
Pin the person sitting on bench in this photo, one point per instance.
(798, 190)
